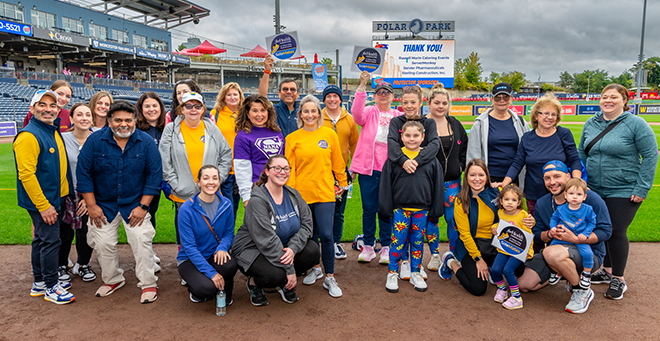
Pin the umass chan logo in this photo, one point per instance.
(60, 37)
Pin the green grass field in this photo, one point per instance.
(15, 225)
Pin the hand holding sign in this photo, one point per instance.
(512, 240)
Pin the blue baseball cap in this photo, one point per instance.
(555, 165)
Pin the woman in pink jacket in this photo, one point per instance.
(370, 155)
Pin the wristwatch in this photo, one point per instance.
(144, 207)
(477, 258)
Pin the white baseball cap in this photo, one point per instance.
(189, 96)
(40, 94)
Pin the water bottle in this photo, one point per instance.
(350, 191)
(220, 303)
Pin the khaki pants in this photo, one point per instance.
(140, 238)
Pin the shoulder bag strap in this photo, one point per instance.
(600, 136)
(209, 225)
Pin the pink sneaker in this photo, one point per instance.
(367, 254)
(513, 303)
(500, 296)
(384, 255)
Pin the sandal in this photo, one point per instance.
(149, 295)
(107, 289)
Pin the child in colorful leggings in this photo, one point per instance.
(409, 199)
(504, 266)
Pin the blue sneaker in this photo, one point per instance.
(339, 251)
(58, 295)
(38, 289)
(445, 271)
(65, 285)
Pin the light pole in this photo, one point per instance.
(638, 98)
(539, 90)
(588, 84)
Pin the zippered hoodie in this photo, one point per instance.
(478, 146)
(258, 234)
(366, 117)
(622, 163)
(176, 169)
(197, 241)
(347, 132)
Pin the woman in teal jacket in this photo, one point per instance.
(621, 167)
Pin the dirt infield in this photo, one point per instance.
(366, 311)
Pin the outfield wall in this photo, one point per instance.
(580, 109)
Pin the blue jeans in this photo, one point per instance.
(45, 248)
(505, 265)
(338, 225)
(323, 215)
(227, 190)
(369, 190)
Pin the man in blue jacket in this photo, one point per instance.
(565, 260)
(119, 172)
(43, 181)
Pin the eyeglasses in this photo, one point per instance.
(501, 98)
(191, 106)
(548, 114)
(383, 93)
(279, 169)
(294, 90)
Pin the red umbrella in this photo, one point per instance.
(316, 58)
(207, 48)
(257, 52)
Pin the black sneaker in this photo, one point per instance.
(601, 277)
(196, 299)
(288, 296)
(63, 274)
(616, 290)
(86, 273)
(554, 279)
(257, 296)
(585, 282)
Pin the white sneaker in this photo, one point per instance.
(392, 284)
(69, 263)
(314, 274)
(404, 270)
(339, 251)
(156, 268)
(417, 280)
(332, 286)
(434, 263)
(423, 273)
(156, 259)
(184, 283)
(75, 269)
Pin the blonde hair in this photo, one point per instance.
(546, 100)
(439, 89)
(220, 100)
(577, 183)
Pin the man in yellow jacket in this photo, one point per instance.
(43, 181)
(337, 118)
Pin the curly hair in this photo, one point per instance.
(243, 120)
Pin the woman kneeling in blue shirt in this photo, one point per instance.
(206, 227)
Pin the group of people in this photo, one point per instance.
(291, 165)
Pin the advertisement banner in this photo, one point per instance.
(460, 110)
(479, 109)
(61, 37)
(648, 109)
(587, 109)
(180, 59)
(113, 47)
(415, 26)
(284, 46)
(152, 54)
(7, 129)
(15, 28)
(368, 59)
(417, 62)
(568, 110)
(320, 76)
(518, 109)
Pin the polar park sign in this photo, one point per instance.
(417, 62)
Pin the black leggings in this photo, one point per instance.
(202, 286)
(66, 235)
(267, 275)
(467, 275)
(622, 212)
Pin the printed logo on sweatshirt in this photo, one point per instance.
(323, 144)
(203, 139)
(269, 145)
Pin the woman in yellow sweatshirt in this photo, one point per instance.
(314, 154)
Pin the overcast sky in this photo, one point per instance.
(539, 37)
